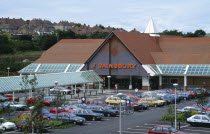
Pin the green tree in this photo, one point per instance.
(200, 33)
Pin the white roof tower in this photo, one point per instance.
(151, 28)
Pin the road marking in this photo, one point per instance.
(151, 124)
(197, 130)
(131, 132)
(185, 126)
(87, 123)
(135, 129)
(106, 119)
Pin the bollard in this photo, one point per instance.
(96, 92)
(172, 123)
(90, 93)
(179, 125)
(71, 95)
(78, 94)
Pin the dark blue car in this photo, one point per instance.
(69, 118)
(89, 114)
(46, 112)
(104, 110)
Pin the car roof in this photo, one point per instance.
(167, 126)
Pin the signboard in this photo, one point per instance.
(123, 66)
(128, 102)
(83, 99)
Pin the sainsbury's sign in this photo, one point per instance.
(114, 66)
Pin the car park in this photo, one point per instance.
(15, 105)
(104, 110)
(70, 118)
(114, 100)
(7, 125)
(61, 109)
(24, 125)
(10, 97)
(164, 129)
(89, 114)
(199, 120)
(153, 101)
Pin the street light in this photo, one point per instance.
(109, 81)
(8, 68)
(175, 86)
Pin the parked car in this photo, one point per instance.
(164, 129)
(15, 105)
(7, 125)
(70, 117)
(61, 109)
(153, 101)
(46, 100)
(95, 102)
(29, 114)
(167, 98)
(10, 97)
(73, 89)
(62, 90)
(24, 125)
(2, 129)
(185, 95)
(104, 110)
(89, 114)
(46, 112)
(199, 120)
(114, 100)
(3, 99)
(189, 108)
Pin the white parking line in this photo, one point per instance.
(131, 132)
(87, 123)
(197, 130)
(106, 119)
(185, 126)
(144, 126)
(136, 129)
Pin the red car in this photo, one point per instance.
(61, 109)
(47, 101)
(133, 97)
(10, 97)
(95, 102)
(163, 129)
(29, 113)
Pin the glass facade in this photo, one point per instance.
(48, 80)
(199, 69)
(172, 69)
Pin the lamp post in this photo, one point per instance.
(120, 120)
(175, 86)
(109, 81)
(8, 68)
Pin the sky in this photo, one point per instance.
(182, 15)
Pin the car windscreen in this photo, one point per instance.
(173, 129)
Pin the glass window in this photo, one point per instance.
(159, 129)
(166, 129)
(204, 118)
(173, 80)
(197, 117)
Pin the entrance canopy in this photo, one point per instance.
(178, 69)
(49, 80)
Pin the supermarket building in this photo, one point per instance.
(130, 59)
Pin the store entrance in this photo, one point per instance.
(123, 83)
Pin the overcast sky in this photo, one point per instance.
(183, 15)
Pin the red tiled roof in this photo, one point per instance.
(70, 51)
(140, 45)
